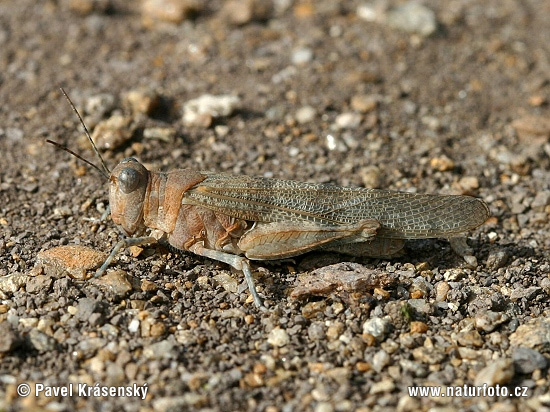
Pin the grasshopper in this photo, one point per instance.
(234, 219)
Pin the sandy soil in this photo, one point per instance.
(463, 110)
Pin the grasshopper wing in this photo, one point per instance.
(401, 215)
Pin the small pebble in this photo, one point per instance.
(429, 355)
(278, 337)
(497, 372)
(384, 386)
(148, 286)
(350, 277)
(442, 164)
(377, 327)
(241, 12)
(348, 120)
(364, 103)
(528, 360)
(171, 11)
(370, 12)
(441, 290)
(305, 114)
(311, 309)
(316, 331)
(144, 101)
(115, 282)
(301, 56)
(133, 327)
(418, 327)
(86, 7)
(420, 306)
(488, 321)
(470, 338)
(534, 334)
(159, 350)
(497, 259)
(227, 282)
(41, 342)
(10, 339)
(253, 380)
(100, 105)
(370, 177)
(85, 308)
(468, 184)
(525, 293)
(541, 200)
(112, 133)
(413, 17)
(363, 366)
(380, 360)
(531, 126)
(209, 106)
(335, 330)
(36, 284)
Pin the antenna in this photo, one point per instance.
(79, 157)
(105, 172)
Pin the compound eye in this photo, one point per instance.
(128, 180)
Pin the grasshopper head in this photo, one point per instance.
(127, 189)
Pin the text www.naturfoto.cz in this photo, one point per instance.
(466, 391)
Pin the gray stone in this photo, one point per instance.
(159, 350)
(527, 360)
(497, 259)
(39, 283)
(541, 200)
(8, 338)
(377, 327)
(527, 293)
(85, 308)
(41, 342)
(89, 346)
(316, 331)
(421, 306)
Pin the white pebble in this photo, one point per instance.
(413, 17)
(305, 114)
(377, 327)
(207, 104)
(301, 56)
(367, 12)
(348, 120)
(278, 337)
(133, 327)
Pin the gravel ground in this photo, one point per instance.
(443, 97)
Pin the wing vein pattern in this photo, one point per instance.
(401, 215)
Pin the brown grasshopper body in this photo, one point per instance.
(236, 218)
